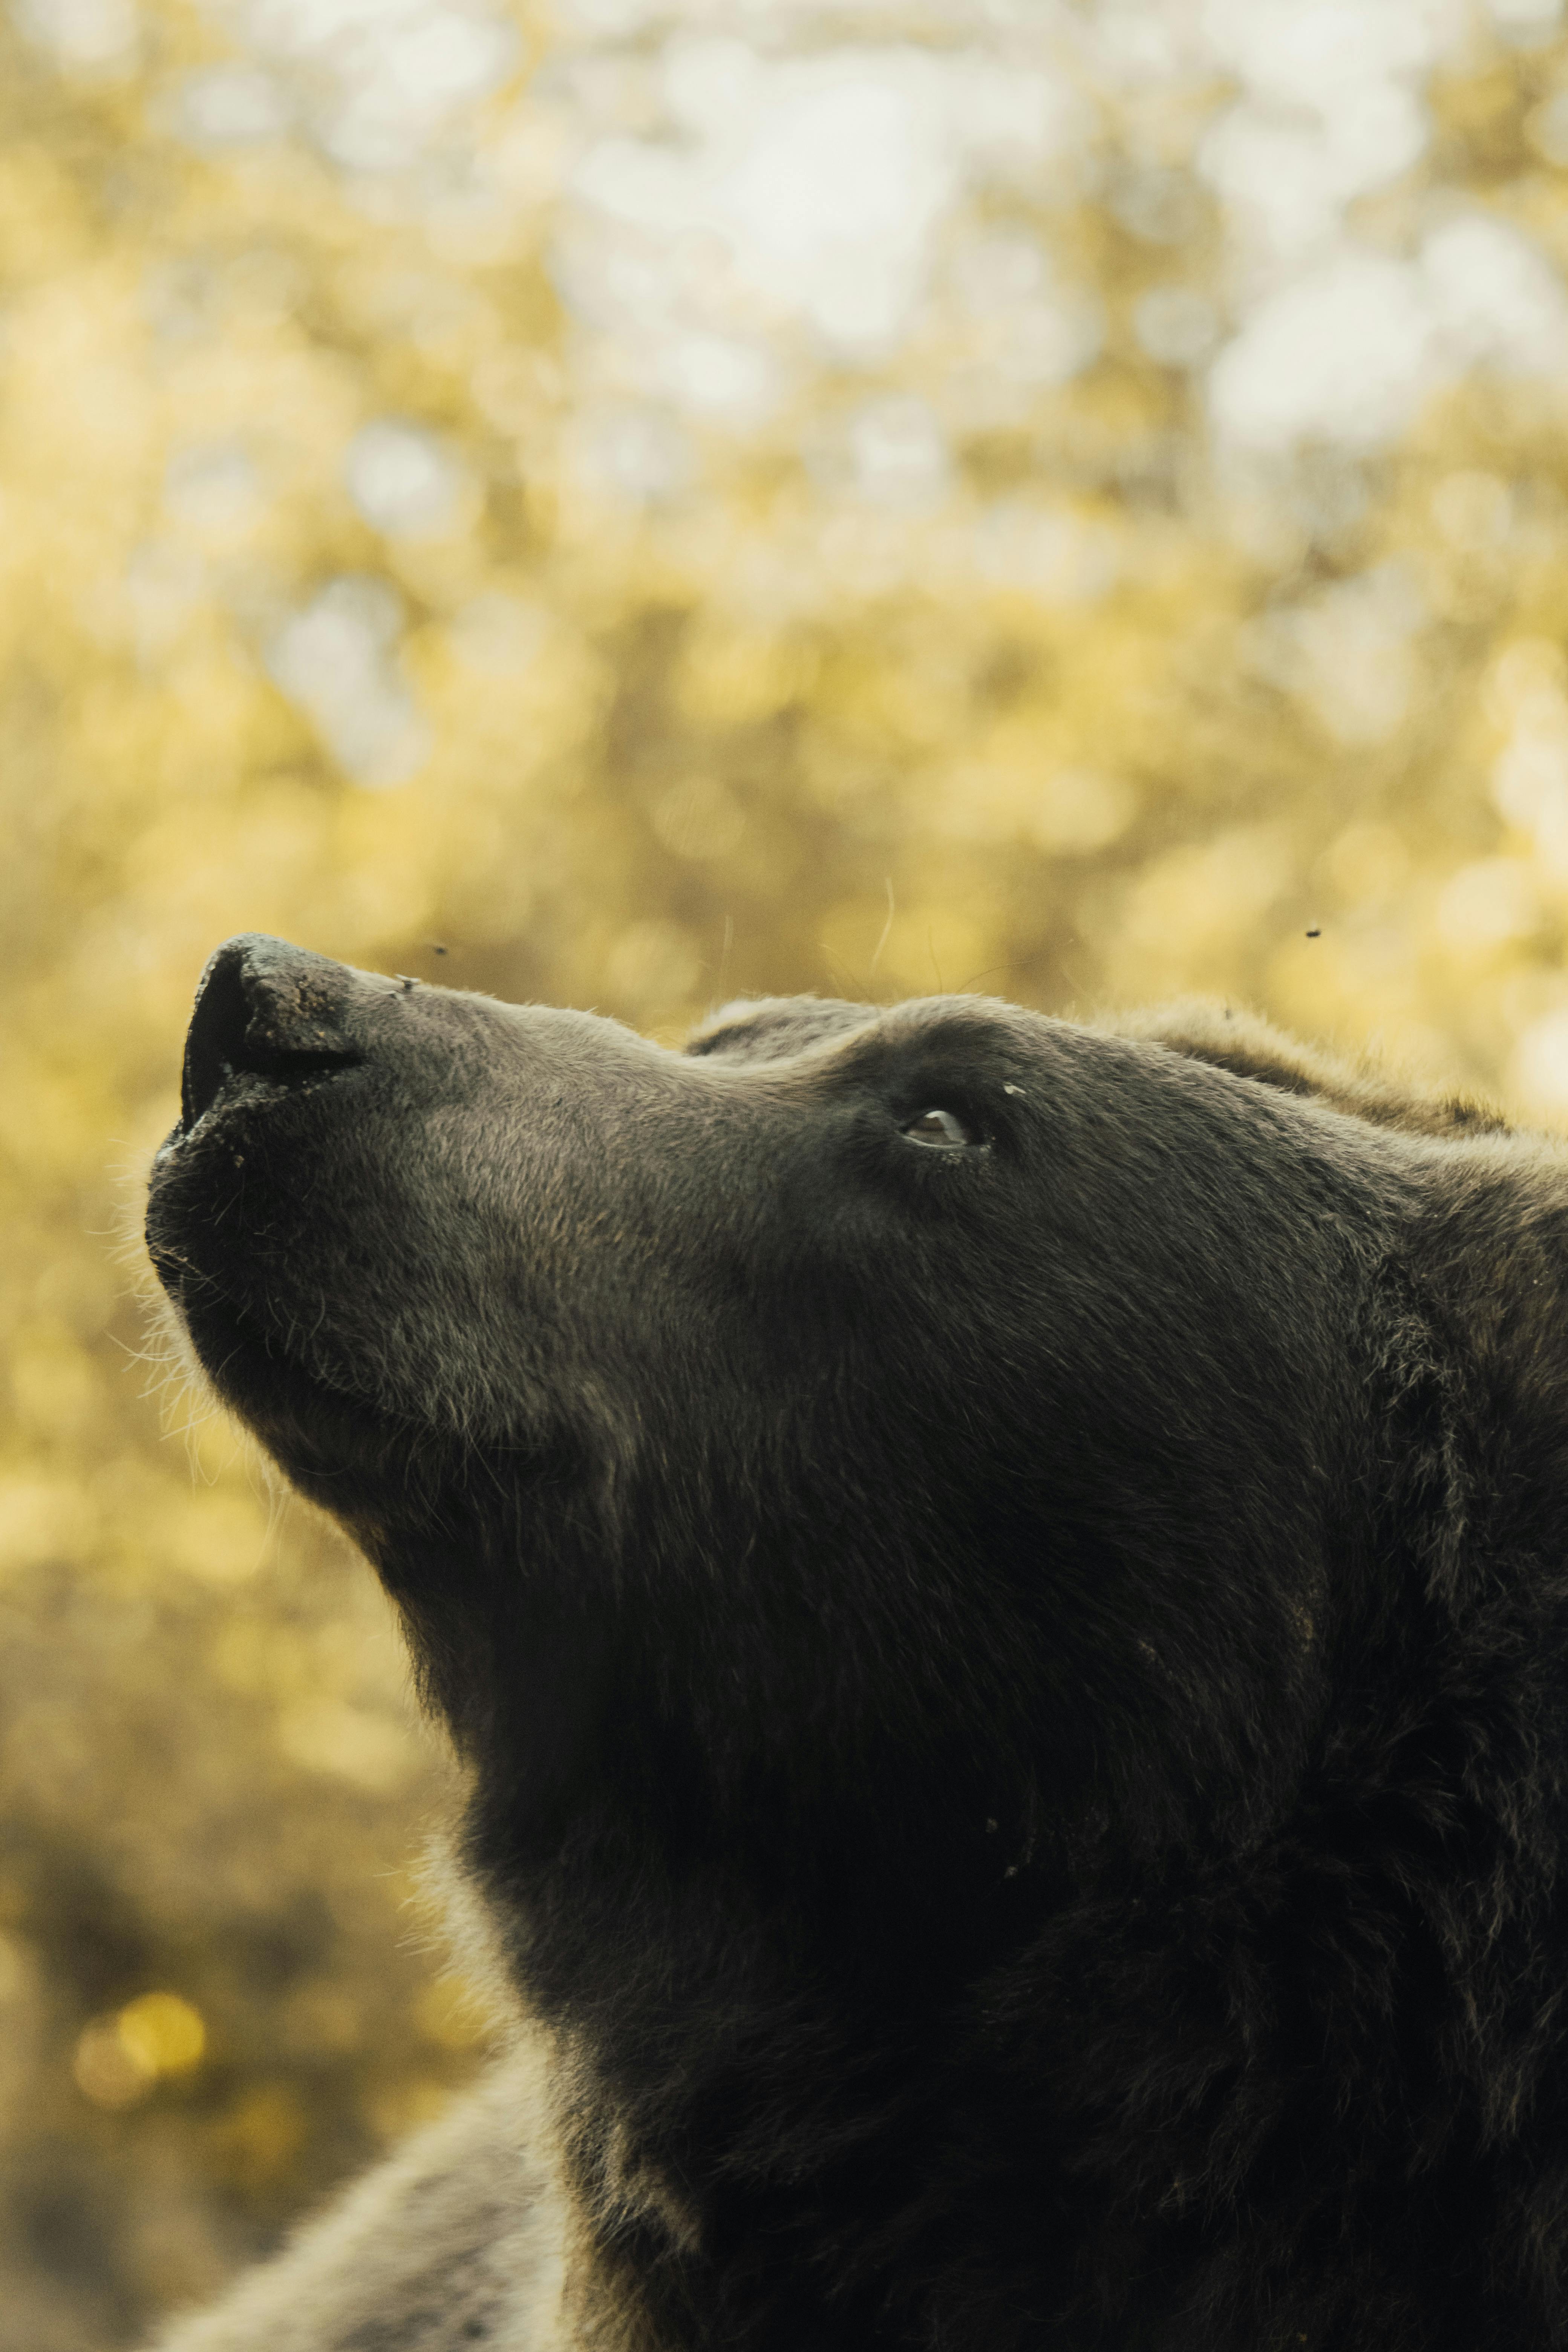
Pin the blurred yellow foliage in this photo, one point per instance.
(629, 505)
(118, 2059)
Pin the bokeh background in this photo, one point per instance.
(627, 504)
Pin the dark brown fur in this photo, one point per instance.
(1015, 1680)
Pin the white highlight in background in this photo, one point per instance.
(1348, 352)
(337, 661)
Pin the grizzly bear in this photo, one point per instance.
(1003, 1591)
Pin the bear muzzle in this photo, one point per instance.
(264, 1010)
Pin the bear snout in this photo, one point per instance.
(266, 1009)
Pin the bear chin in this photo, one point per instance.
(999, 1587)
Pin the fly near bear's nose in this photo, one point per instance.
(264, 1005)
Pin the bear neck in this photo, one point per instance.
(1110, 2092)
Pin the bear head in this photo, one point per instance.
(860, 1488)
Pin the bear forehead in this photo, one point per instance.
(773, 1028)
(780, 1028)
(1192, 1031)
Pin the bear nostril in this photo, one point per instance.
(217, 1027)
(268, 1008)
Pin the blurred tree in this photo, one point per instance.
(631, 507)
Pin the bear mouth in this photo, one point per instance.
(319, 1426)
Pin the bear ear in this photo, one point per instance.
(770, 1028)
(1251, 1047)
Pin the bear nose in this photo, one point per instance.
(264, 1007)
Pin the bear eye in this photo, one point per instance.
(939, 1131)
